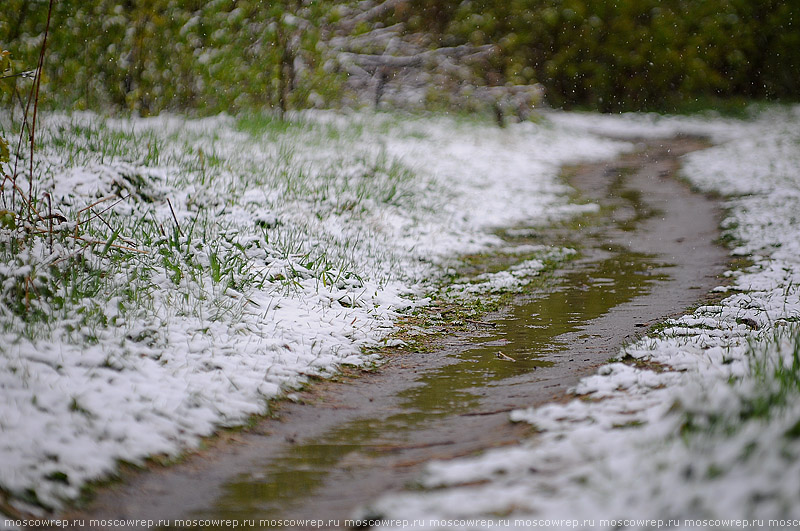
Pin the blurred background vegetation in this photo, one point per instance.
(149, 56)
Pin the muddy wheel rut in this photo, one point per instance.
(649, 255)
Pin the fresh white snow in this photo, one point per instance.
(342, 222)
(691, 444)
(289, 253)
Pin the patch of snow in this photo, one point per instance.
(270, 259)
(688, 442)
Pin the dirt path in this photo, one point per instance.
(648, 256)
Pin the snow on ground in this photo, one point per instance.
(246, 257)
(705, 430)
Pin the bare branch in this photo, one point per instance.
(406, 61)
(378, 37)
(372, 13)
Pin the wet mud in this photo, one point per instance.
(649, 254)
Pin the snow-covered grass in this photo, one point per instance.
(704, 428)
(197, 269)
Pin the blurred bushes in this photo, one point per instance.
(638, 54)
(153, 55)
(225, 55)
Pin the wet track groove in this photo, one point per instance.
(650, 255)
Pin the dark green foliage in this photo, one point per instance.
(642, 54)
(227, 55)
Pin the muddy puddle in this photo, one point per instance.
(647, 255)
(521, 341)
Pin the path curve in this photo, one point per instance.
(331, 452)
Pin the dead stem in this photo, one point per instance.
(37, 86)
(174, 217)
(99, 242)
